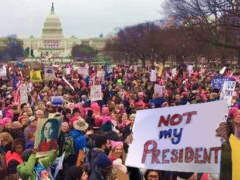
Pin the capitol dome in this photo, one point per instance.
(52, 29)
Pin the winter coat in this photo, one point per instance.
(79, 139)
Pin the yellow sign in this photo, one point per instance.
(35, 76)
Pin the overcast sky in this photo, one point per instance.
(81, 18)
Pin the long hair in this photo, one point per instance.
(55, 125)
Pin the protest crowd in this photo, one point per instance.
(75, 123)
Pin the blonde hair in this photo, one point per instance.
(5, 136)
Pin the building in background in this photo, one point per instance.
(52, 42)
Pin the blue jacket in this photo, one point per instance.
(79, 139)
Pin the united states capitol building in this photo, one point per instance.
(52, 42)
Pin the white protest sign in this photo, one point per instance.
(23, 94)
(153, 76)
(68, 71)
(159, 89)
(100, 75)
(96, 93)
(190, 69)
(181, 138)
(174, 72)
(83, 71)
(227, 91)
(49, 73)
(3, 71)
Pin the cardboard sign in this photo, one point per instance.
(96, 93)
(153, 76)
(23, 94)
(49, 73)
(181, 138)
(35, 76)
(227, 91)
(3, 71)
(159, 90)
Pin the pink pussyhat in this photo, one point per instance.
(232, 112)
(105, 111)
(95, 107)
(115, 144)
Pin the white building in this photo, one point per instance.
(52, 41)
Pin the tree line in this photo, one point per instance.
(198, 28)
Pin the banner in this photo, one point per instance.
(23, 94)
(181, 138)
(3, 71)
(227, 91)
(217, 82)
(153, 76)
(49, 73)
(35, 76)
(96, 93)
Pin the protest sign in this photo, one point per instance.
(159, 90)
(49, 73)
(160, 70)
(83, 71)
(57, 100)
(227, 91)
(47, 136)
(181, 138)
(35, 76)
(96, 93)
(68, 71)
(100, 75)
(153, 76)
(217, 82)
(190, 69)
(23, 94)
(174, 72)
(3, 71)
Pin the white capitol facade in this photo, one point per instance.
(52, 41)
